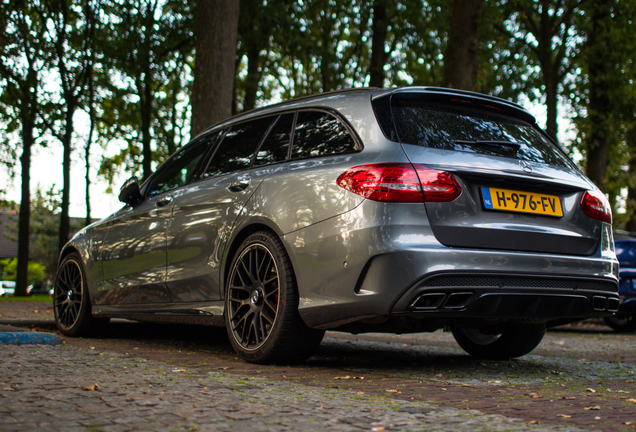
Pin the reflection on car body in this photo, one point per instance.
(360, 210)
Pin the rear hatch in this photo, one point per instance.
(520, 191)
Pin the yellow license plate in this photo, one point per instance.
(524, 202)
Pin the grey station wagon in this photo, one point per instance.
(368, 210)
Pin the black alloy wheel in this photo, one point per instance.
(621, 323)
(511, 340)
(253, 296)
(261, 304)
(71, 302)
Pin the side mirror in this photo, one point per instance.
(130, 192)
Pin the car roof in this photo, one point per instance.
(327, 99)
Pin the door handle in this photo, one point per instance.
(240, 185)
(163, 201)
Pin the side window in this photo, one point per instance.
(238, 146)
(276, 145)
(178, 171)
(319, 134)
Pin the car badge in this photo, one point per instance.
(525, 166)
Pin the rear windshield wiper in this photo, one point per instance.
(505, 148)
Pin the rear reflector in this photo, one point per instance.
(400, 182)
(595, 205)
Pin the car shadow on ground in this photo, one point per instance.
(433, 361)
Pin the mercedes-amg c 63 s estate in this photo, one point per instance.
(367, 210)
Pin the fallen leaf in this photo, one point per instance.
(567, 398)
(393, 391)
(534, 395)
(532, 422)
(359, 392)
(595, 407)
(591, 390)
(631, 400)
(223, 368)
(439, 375)
(91, 388)
(564, 415)
(360, 378)
(495, 382)
(343, 378)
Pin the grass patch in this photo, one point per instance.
(33, 298)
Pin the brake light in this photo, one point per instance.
(596, 206)
(400, 182)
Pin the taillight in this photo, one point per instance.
(596, 206)
(400, 182)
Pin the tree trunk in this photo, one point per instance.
(460, 58)
(599, 108)
(66, 174)
(89, 141)
(378, 41)
(551, 101)
(24, 220)
(216, 35)
(253, 78)
(146, 119)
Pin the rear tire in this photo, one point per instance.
(622, 324)
(510, 341)
(261, 305)
(71, 300)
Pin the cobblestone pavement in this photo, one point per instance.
(153, 377)
(69, 388)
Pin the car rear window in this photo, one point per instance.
(459, 127)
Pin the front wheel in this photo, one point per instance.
(261, 305)
(509, 341)
(625, 323)
(71, 301)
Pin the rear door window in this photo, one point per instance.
(319, 133)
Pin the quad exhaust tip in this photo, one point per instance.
(433, 301)
(605, 304)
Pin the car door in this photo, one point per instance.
(134, 251)
(204, 214)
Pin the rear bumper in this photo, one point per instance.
(360, 268)
(509, 296)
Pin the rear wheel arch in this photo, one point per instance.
(236, 241)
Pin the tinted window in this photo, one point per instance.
(451, 127)
(238, 146)
(178, 171)
(319, 134)
(276, 145)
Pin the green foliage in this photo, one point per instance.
(36, 272)
(147, 54)
(44, 227)
(141, 63)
